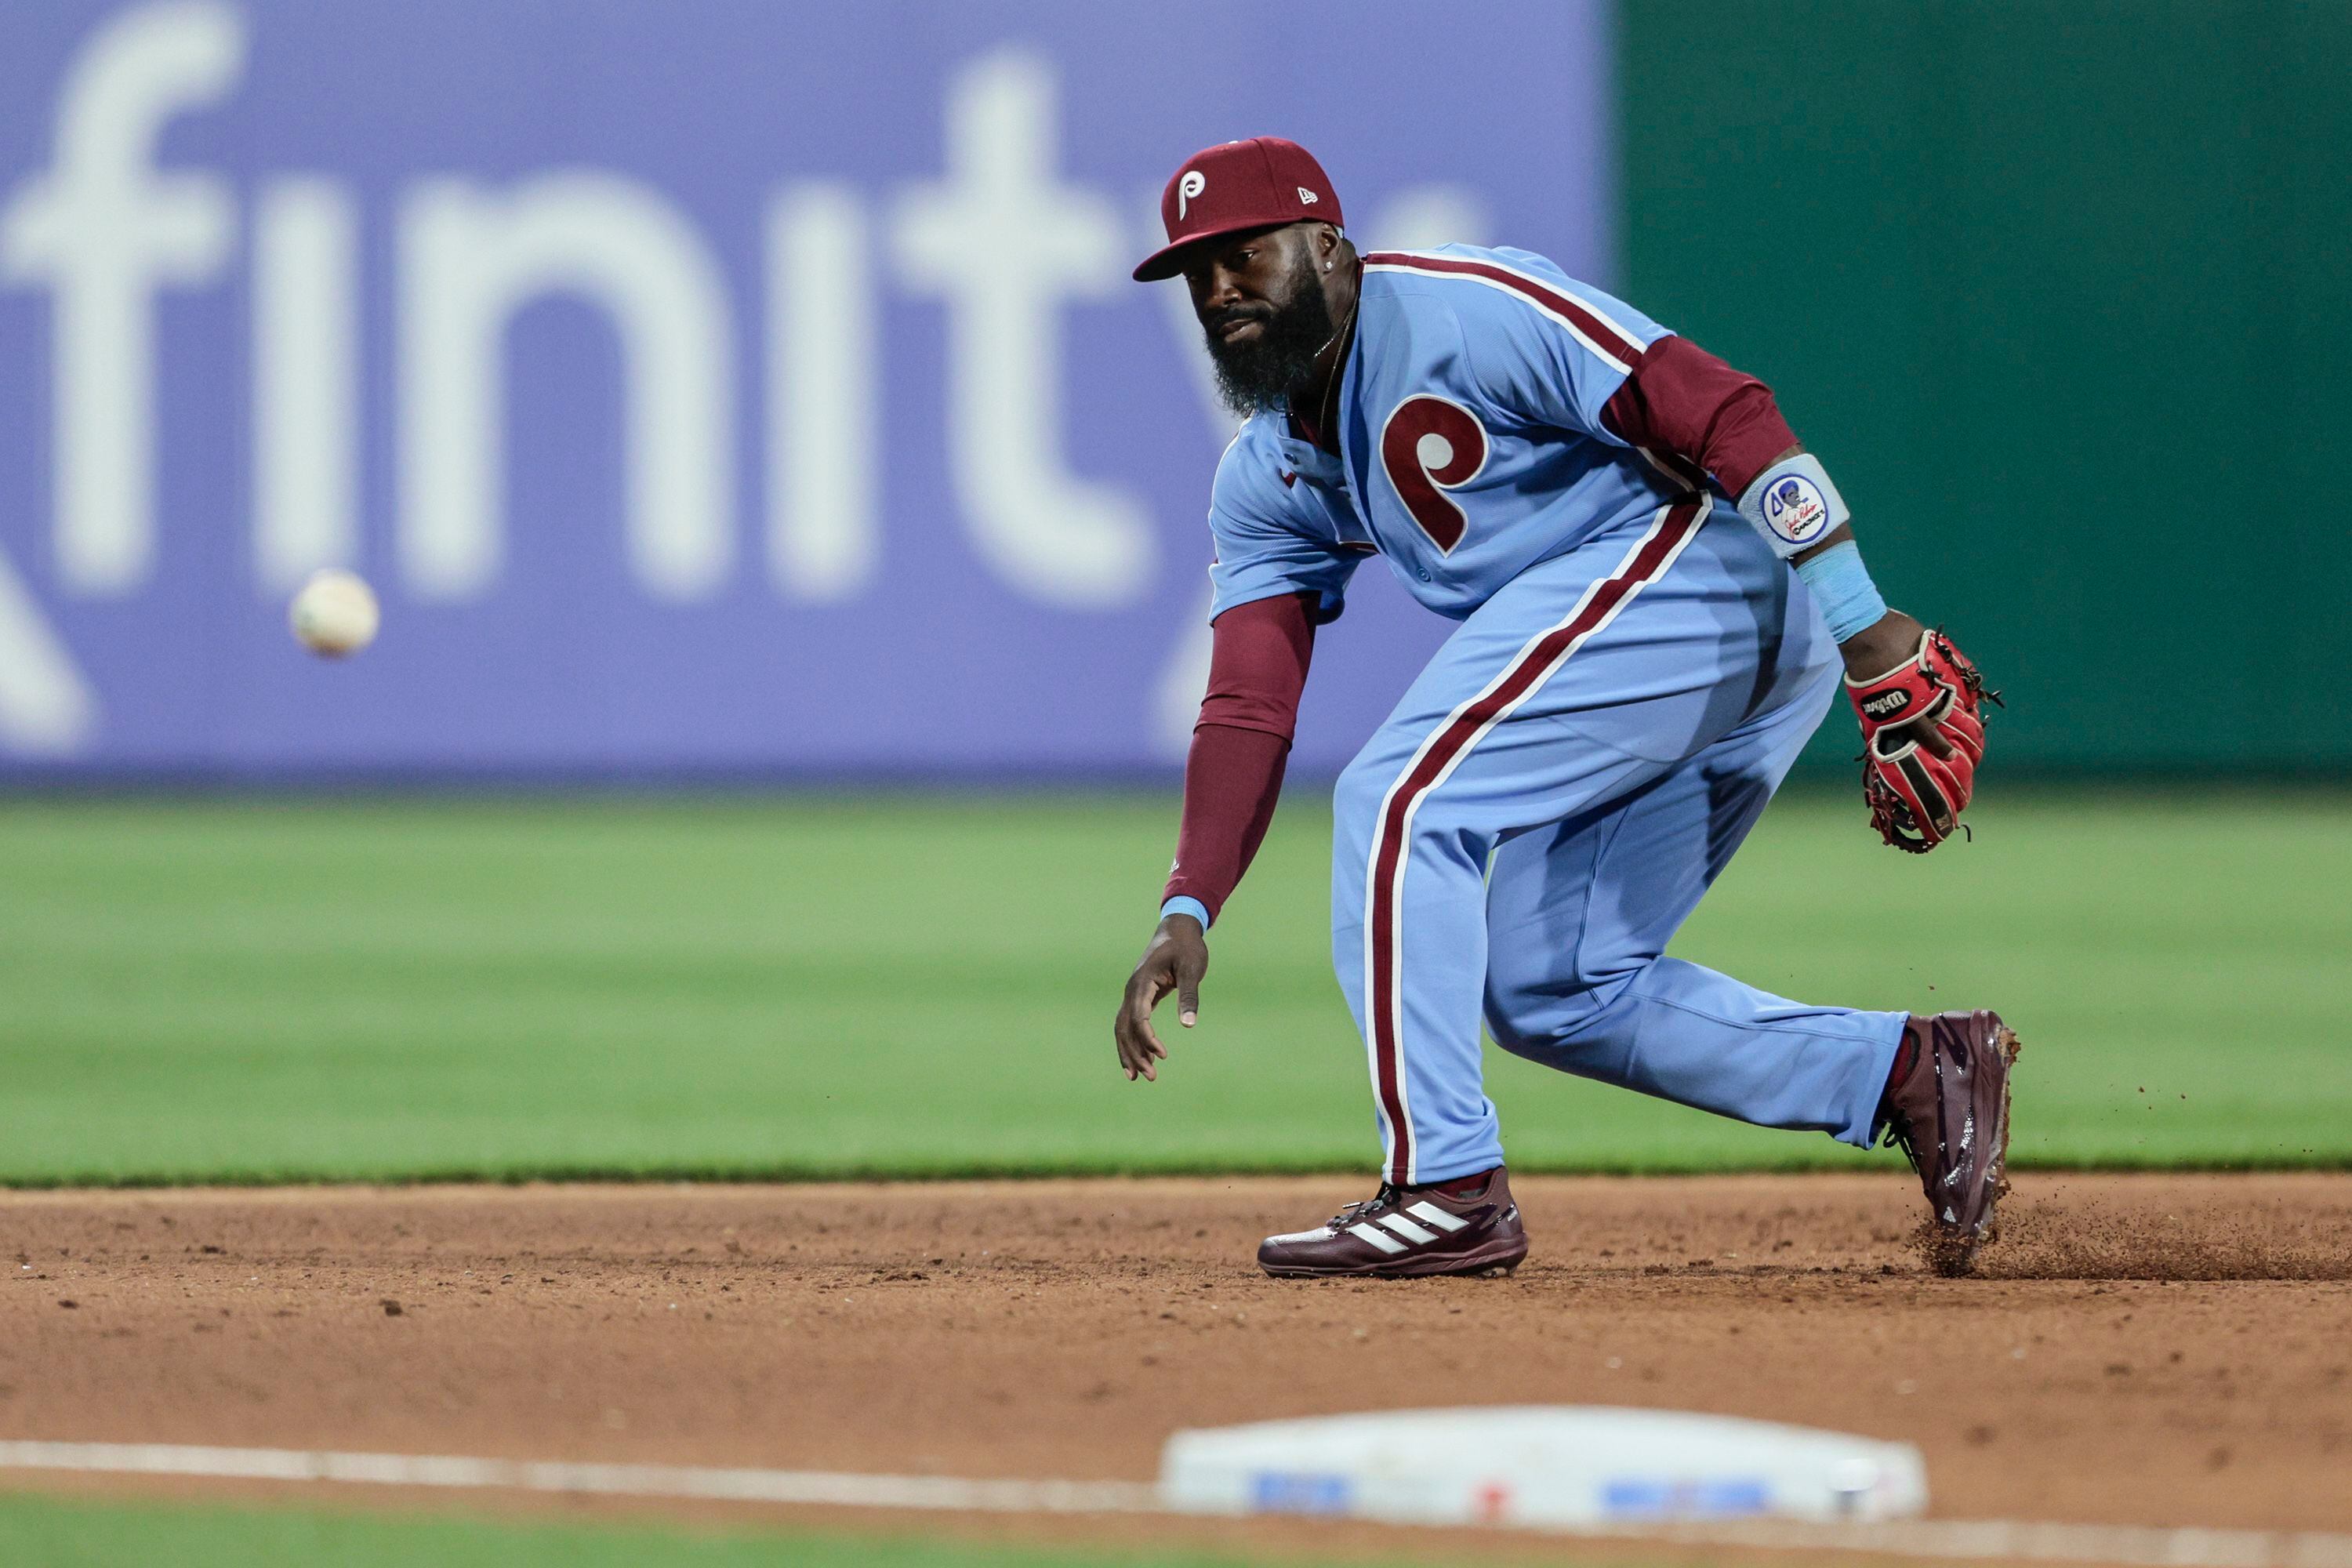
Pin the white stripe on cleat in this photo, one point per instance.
(1437, 1216)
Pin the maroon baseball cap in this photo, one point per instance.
(1224, 189)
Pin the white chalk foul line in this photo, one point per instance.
(1963, 1540)
(838, 1488)
(1956, 1539)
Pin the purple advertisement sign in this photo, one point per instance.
(703, 386)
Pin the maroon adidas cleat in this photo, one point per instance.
(1403, 1232)
(1947, 1107)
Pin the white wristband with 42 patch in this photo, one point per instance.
(1793, 505)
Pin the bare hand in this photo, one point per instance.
(1176, 960)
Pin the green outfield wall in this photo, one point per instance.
(2062, 293)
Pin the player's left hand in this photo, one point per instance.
(1922, 713)
(1176, 960)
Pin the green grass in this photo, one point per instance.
(36, 1532)
(298, 989)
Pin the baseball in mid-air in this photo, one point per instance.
(334, 614)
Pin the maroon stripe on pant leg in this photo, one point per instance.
(1526, 671)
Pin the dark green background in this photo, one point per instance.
(2062, 293)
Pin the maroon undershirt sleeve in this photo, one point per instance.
(1257, 667)
(1681, 400)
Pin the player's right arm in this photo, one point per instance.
(1278, 576)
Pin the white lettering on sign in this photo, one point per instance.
(102, 230)
(306, 357)
(1001, 239)
(47, 709)
(470, 257)
(824, 357)
(1006, 243)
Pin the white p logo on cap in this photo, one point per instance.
(1190, 185)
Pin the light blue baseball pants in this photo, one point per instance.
(1543, 809)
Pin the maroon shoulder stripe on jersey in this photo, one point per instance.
(1593, 325)
(1533, 664)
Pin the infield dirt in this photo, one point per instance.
(2146, 1349)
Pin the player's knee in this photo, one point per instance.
(1560, 1019)
(1511, 1029)
(1520, 1001)
(1528, 1014)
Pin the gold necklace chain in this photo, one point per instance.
(1338, 365)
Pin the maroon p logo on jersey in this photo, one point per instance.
(1430, 446)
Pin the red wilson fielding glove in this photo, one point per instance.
(1916, 797)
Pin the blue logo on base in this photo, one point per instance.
(1292, 1491)
(1649, 1497)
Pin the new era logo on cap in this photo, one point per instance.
(1238, 185)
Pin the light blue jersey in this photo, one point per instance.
(1635, 672)
(1471, 445)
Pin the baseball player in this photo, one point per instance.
(1655, 589)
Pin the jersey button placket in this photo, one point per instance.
(1351, 379)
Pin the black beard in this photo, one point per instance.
(1266, 372)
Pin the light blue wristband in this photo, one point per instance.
(1183, 906)
(1841, 584)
